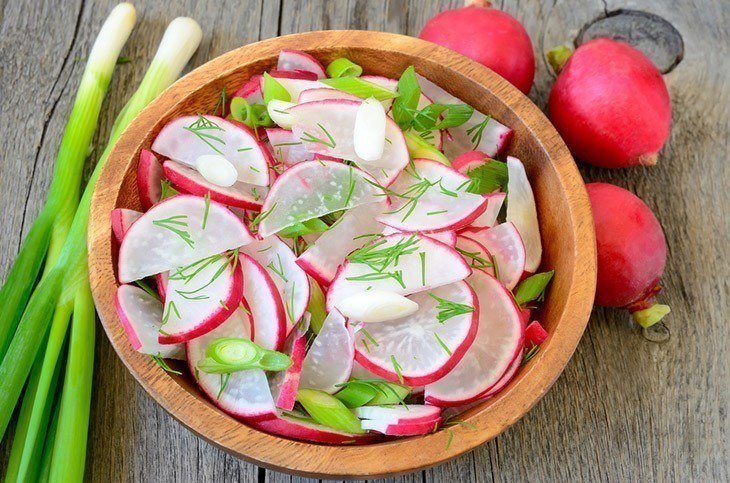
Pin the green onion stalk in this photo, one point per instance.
(66, 282)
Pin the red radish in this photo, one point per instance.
(433, 197)
(251, 91)
(480, 132)
(399, 414)
(439, 265)
(329, 360)
(400, 429)
(296, 74)
(611, 106)
(469, 160)
(285, 149)
(521, 211)
(324, 94)
(264, 304)
(499, 340)
(290, 280)
(161, 279)
(632, 253)
(141, 316)
(245, 394)
(296, 195)
(187, 138)
(153, 245)
(421, 348)
(122, 219)
(296, 60)
(475, 254)
(535, 334)
(491, 37)
(505, 245)
(445, 237)
(284, 385)
(305, 430)
(322, 258)
(200, 297)
(149, 178)
(334, 122)
(505, 379)
(494, 205)
(240, 195)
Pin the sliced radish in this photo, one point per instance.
(161, 280)
(505, 379)
(475, 254)
(505, 245)
(172, 234)
(399, 414)
(200, 297)
(312, 189)
(469, 160)
(295, 85)
(293, 74)
(489, 136)
(322, 258)
(327, 127)
(385, 82)
(432, 197)
(251, 91)
(494, 206)
(445, 237)
(240, 195)
(424, 347)
(141, 316)
(279, 113)
(400, 429)
(374, 306)
(329, 360)
(307, 430)
(296, 60)
(187, 138)
(535, 334)
(284, 384)
(324, 94)
(149, 178)
(424, 264)
(359, 372)
(264, 304)
(122, 219)
(285, 149)
(243, 394)
(522, 212)
(499, 339)
(290, 280)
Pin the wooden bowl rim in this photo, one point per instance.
(381, 459)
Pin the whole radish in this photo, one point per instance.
(610, 104)
(632, 253)
(491, 37)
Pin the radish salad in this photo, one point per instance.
(338, 257)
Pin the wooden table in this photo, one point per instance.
(625, 409)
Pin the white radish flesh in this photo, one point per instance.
(264, 304)
(285, 149)
(505, 245)
(446, 237)
(173, 234)
(522, 213)
(369, 133)
(329, 360)
(494, 206)
(399, 414)
(296, 60)
(296, 86)
(304, 430)
(216, 170)
(279, 113)
(401, 429)
(475, 254)
(377, 306)
(323, 94)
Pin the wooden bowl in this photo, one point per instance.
(565, 221)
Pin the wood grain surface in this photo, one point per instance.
(626, 408)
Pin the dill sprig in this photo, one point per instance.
(397, 368)
(279, 271)
(201, 128)
(206, 211)
(477, 131)
(413, 194)
(176, 225)
(163, 364)
(477, 260)
(171, 307)
(225, 377)
(530, 354)
(442, 343)
(144, 286)
(310, 138)
(379, 257)
(261, 217)
(449, 309)
(422, 255)
(350, 187)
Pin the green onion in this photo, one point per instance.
(420, 148)
(488, 177)
(315, 225)
(328, 411)
(316, 308)
(409, 94)
(273, 90)
(533, 287)
(356, 395)
(252, 115)
(230, 354)
(360, 88)
(343, 67)
(392, 394)
(371, 392)
(441, 116)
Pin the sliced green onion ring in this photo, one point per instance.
(343, 67)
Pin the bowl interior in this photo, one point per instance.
(563, 211)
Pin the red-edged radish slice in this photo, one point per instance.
(499, 339)
(296, 60)
(240, 195)
(122, 219)
(295, 83)
(187, 138)
(535, 334)
(445, 237)
(494, 206)
(293, 74)
(306, 430)
(264, 304)
(359, 372)
(251, 91)
(488, 135)
(433, 197)
(149, 178)
(384, 82)
(329, 360)
(522, 212)
(399, 414)
(421, 348)
(504, 380)
(200, 297)
(475, 254)
(284, 384)
(400, 429)
(327, 127)
(439, 265)
(161, 280)
(285, 149)
(505, 245)
(141, 316)
(324, 94)
(243, 394)
(290, 280)
(312, 189)
(322, 258)
(172, 234)
(469, 160)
